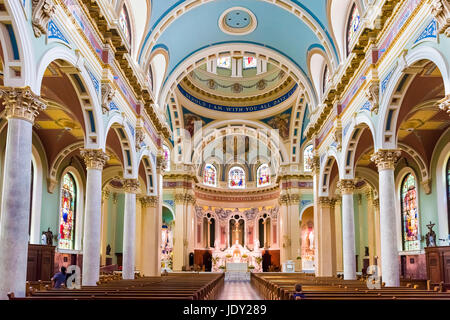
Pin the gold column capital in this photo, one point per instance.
(94, 158)
(385, 158)
(149, 201)
(347, 186)
(21, 103)
(325, 202)
(131, 185)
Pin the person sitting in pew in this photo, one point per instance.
(59, 279)
(298, 295)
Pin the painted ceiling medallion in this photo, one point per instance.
(237, 21)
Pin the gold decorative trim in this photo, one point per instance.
(94, 158)
(21, 103)
(385, 159)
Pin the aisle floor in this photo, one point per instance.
(238, 290)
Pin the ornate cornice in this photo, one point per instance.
(42, 12)
(131, 185)
(385, 159)
(346, 186)
(21, 103)
(94, 158)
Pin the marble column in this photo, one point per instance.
(104, 236)
(284, 236)
(178, 239)
(22, 107)
(338, 231)
(325, 231)
(348, 228)
(376, 208)
(131, 187)
(95, 161)
(190, 224)
(371, 227)
(294, 215)
(150, 236)
(314, 163)
(385, 161)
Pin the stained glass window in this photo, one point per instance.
(166, 157)
(124, 23)
(410, 213)
(352, 26)
(209, 175)
(307, 155)
(224, 62)
(67, 212)
(236, 178)
(263, 175)
(249, 62)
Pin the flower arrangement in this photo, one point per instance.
(251, 267)
(244, 256)
(228, 256)
(258, 260)
(222, 267)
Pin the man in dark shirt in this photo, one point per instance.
(298, 294)
(59, 279)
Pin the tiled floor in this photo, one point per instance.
(238, 290)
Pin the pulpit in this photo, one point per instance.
(40, 265)
(438, 264)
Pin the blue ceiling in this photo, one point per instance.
(277, 29)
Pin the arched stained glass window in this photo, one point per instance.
(236, 178)
(67, 212)
(410, 213)
(307, 155)
(352, 26)
(224, 62)
(249, 62)
(166, 157)
(263, 175)
(124, 23)
(209, 175)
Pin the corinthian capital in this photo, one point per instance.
(43, 11)
(149, 201)
(131, 185)
(180, 198)
(347, 186)
(441, 11)
(21, 103)
(94, 158)
(314, 164)
(444, 104)
(385, 159)
(325, 202)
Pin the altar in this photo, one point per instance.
(237, 259)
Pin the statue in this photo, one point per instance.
(431, 235)
(49, 236)
(44, 238)
(108, 250)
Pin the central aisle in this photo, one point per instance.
(238, 290)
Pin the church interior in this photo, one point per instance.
(225, 149)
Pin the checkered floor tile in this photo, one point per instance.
(238, 290)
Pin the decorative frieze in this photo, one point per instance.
(385, 159)
(444, 104)
(131, 185)
(21, 103)
(94, 158)
(347, 186)
(42, 12)
(441, 11)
